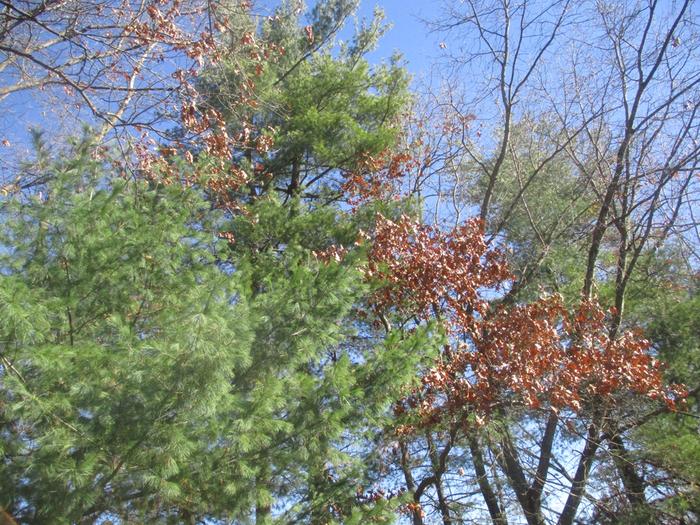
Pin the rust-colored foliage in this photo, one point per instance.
(376, 176)
(536, 355)
(164, 25)
(332, 253)
(428, 272)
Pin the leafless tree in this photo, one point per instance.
(118, 66)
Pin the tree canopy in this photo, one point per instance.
(273, 279)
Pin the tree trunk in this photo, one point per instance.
(497, 515)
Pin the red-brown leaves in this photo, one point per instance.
(534, 356)
(601, 366)
(309, 32)
(166, 25)
(375, 177)
(206, 130)
(332, 253)
(517, 350)
(426, 270)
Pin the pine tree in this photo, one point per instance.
(313, 111)
(120, 342)
(152, 371)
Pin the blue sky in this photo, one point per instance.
(408, 34)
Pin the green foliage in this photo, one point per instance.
(329, 380)
(154, 373)
(323, 105)
(541, 210)
(151, 372)
(120, 290)
(123, 341)
(671, 441)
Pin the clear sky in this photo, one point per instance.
(409, 34)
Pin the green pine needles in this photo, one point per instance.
(151, 372)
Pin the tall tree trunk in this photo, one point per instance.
(416, 514)
(438, 465)
(633, 483)
(497, 515)
(510, 463)
(578, 486)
